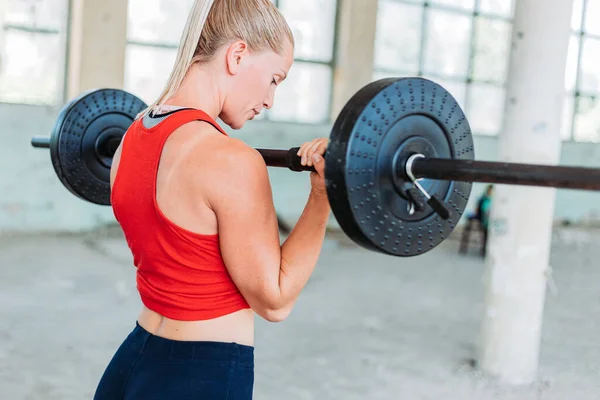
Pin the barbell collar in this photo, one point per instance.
(433, 201)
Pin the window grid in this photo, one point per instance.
(265, 115)
(29, 29)
(61, 96)
(469, 79)
(471, 63)
(577, 94)
(331, 64)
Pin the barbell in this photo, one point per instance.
(399, 166)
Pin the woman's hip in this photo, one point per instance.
(147, 366)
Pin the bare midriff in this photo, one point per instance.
(237, 327)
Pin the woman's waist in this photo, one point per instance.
(236, 327)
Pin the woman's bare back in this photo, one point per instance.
(182, 196)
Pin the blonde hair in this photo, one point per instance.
(214, 23)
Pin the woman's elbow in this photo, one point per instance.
(275, 315)
(268, 302)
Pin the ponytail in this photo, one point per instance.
(186, 52)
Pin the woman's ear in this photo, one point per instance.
(236, 53)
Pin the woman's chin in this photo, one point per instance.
(236, 123)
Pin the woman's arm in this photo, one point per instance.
(270, 276)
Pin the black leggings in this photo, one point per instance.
(150, 367)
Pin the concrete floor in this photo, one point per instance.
(367, 326)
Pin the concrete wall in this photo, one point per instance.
(32, 198)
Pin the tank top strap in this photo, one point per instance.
(183, 116)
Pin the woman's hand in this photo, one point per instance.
(307, 150)
(311, 154)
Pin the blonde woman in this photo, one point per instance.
(196, 210)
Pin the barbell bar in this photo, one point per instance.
(399, 165)
(581, 178)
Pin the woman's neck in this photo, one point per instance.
(199, 90)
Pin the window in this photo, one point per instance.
(582, 105)
(471, 63)
(305, 96)
(33, 58)
(154, 30)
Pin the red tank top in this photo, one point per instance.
(180, 274)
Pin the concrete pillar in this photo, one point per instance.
(98, 38)
(357, 25)
(521, 218)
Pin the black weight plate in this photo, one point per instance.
(84, 137)
(388, 117)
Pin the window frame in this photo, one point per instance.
(265, 116)
(65, 38)
(331, 64)
(469, 80)
(576, 94)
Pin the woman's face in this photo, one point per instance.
(253, 79)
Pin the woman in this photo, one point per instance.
(196, 209)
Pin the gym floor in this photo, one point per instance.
(367, 326)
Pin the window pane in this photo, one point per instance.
(572, 64)
(492, 50)
(567, 117)
(304, 96)
(394, 51)
(447, 54)
(590, 66)
(42, 14)
(498, 7)
(147, 70)
(465, 4)
(33, 69)
(587, 120)
(577, 15)
(592, 17)
(157, 21)
(313, 23)
(486, 109)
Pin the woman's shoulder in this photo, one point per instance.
(228, 173)
(229, 159)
